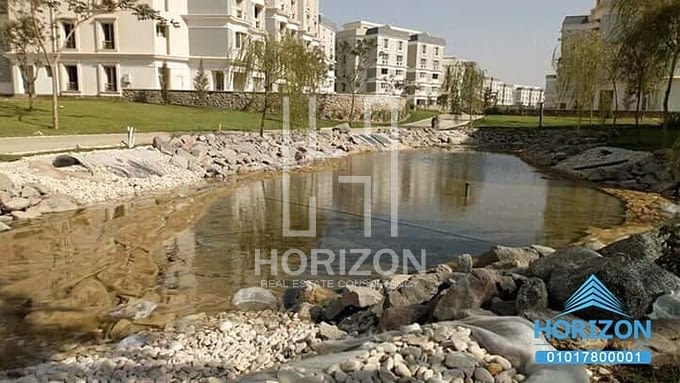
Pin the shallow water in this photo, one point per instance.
(60, 276)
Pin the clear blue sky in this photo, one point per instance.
(513, 39)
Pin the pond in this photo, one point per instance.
(60, 276)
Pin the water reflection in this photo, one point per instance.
(60, 276)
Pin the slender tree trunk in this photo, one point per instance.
(616, 104)
(351, 108)
(638, 96)
(31, 100)
(55, 96)
(667, 96)
(264, 112)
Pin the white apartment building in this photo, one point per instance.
(403, 62)
(528, 96)
(424, 77)
(327, 32)
(503, 92)
(603, 20)
(116, 51)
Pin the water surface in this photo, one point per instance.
(60, 276)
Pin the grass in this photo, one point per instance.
(625, 136)
(89, 116)
(420, 114)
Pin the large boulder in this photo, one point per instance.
(636, 282)
(532, 295)
(419, 288)
(16, 203)
(502, 257)
(56, 203)
(5, 183)
(466, 294)
(361, 297)
(255, 299)
(650, 245)
(310, 293)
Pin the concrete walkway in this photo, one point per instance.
(446, 121)
(42, 144)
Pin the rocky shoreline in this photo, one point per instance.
(460, 323)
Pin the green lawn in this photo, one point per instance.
(420, 114)
(88, 116)
(501, 121)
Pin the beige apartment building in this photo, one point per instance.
(424, 78)
(603, 20)
(116, 51)
(404, 62)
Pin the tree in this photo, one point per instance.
(451, 89)
(354, 63)
(201, 82)
(265, 58)
(471, 88)
(22, 39)
(165, 83)
(579, 70)
(44, 19)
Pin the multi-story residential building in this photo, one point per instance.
(117, 51)
(503, 93)
(528, 96)
(602, 19)
(327, 32)
(424, 77)
(403, 61)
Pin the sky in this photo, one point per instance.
(513, 39)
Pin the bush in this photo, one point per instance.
(674, 121)
(674, 165)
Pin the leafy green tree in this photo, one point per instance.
(265, 58)
(472, 89)
(43, 18)
(451, 89)
(22, 40)
(579, 70)
(354, 62)
(201, 82)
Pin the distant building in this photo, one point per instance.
(404, 62)
(327, 31)
(528, 96)
(501, 91)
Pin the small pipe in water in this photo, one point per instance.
(467, 190)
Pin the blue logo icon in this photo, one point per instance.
(593, 293)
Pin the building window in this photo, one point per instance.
(424, 49)
(384, 86)
(110, 78)
(386, 43)
(436, 51)
(422, 75)
(71, 78)
(69, 34)
(162, 31)
(384, 58)
(109, 37)
(435, 76)
(400, 60)
(435, 64)
(401, 45)
(240, 39)
(399, 72)
(48, 70)
(423, 63)
(218, 80)
(239, 9)
(384, 71)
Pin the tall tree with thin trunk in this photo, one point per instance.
(471, 89)
(22, 39)
(263, 58)
(354, 61)
(46, 17)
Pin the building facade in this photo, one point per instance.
(602, 19)
(327, 32)
(116, 51)
(528, 96)
(402, 62)
(424, 76)
(503, 93)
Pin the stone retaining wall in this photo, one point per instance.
(330, 106)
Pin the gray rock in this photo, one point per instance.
(179, 161)
(467, 293)
(30, 213)
(650, 245)
(461, 361)
(395, 317)
(5, 183)
(4, 227)
(342, 128)
(636, 283)
(6, 218)
(255, 299)
(361, 297)
(571, 257)
(482, 375)
(501, 257)
(16, 203)
(56, 203)
(419, 289)
(465, 263)
(163, 146)
(30, 192)
(330, 332)
(532, 295)
(666, 307)
(135, 309)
